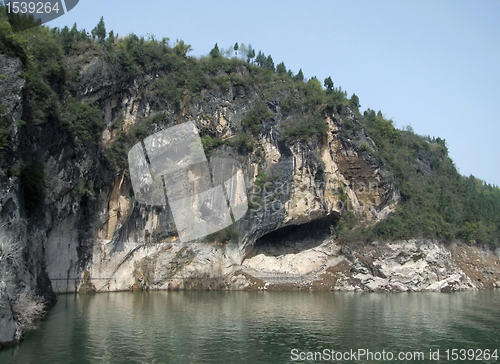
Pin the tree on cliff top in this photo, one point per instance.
(299, 76)
(251, 54)
(328, 84)
(354, 102)
(182, 48)
(215, 52)
(99, 31)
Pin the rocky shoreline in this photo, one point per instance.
(404, 266)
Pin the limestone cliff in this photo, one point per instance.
(89, 234)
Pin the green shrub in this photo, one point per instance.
(171, 88)
(223, 83)
(253, 120)
(155, 118)
(289, 104)
(12, 44)
(118, 122)
(243, 143)
(363, 146)
(117, 154)
(210, 143)
(198, 80)
(306, 128)
(261, 180)
(84, 119)
(139, 132)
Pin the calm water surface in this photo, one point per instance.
(256, 327)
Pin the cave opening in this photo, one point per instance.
(302, 236)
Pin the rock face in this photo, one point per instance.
(12, 234)
(409, 266)
(91, 235)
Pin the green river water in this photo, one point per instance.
(265, 327)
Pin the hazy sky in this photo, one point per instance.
(434, 65)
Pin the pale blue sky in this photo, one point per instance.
(434, 65)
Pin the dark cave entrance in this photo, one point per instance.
(296, 237)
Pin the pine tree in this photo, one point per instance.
(261, 59)
(74, 32)
(329, 85)
(99, 31)
(111, 40)
(251, 54)
(281, 68)
(299, 76)
(235, 49)
(354, 102)
(67, 39)
(269, 63)
(84, 35)
(215, 52)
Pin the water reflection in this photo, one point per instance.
(252, 327)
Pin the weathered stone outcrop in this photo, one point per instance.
(33, 238)
(302, 259)
(404, 266)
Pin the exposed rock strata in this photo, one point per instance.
(309, 263)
